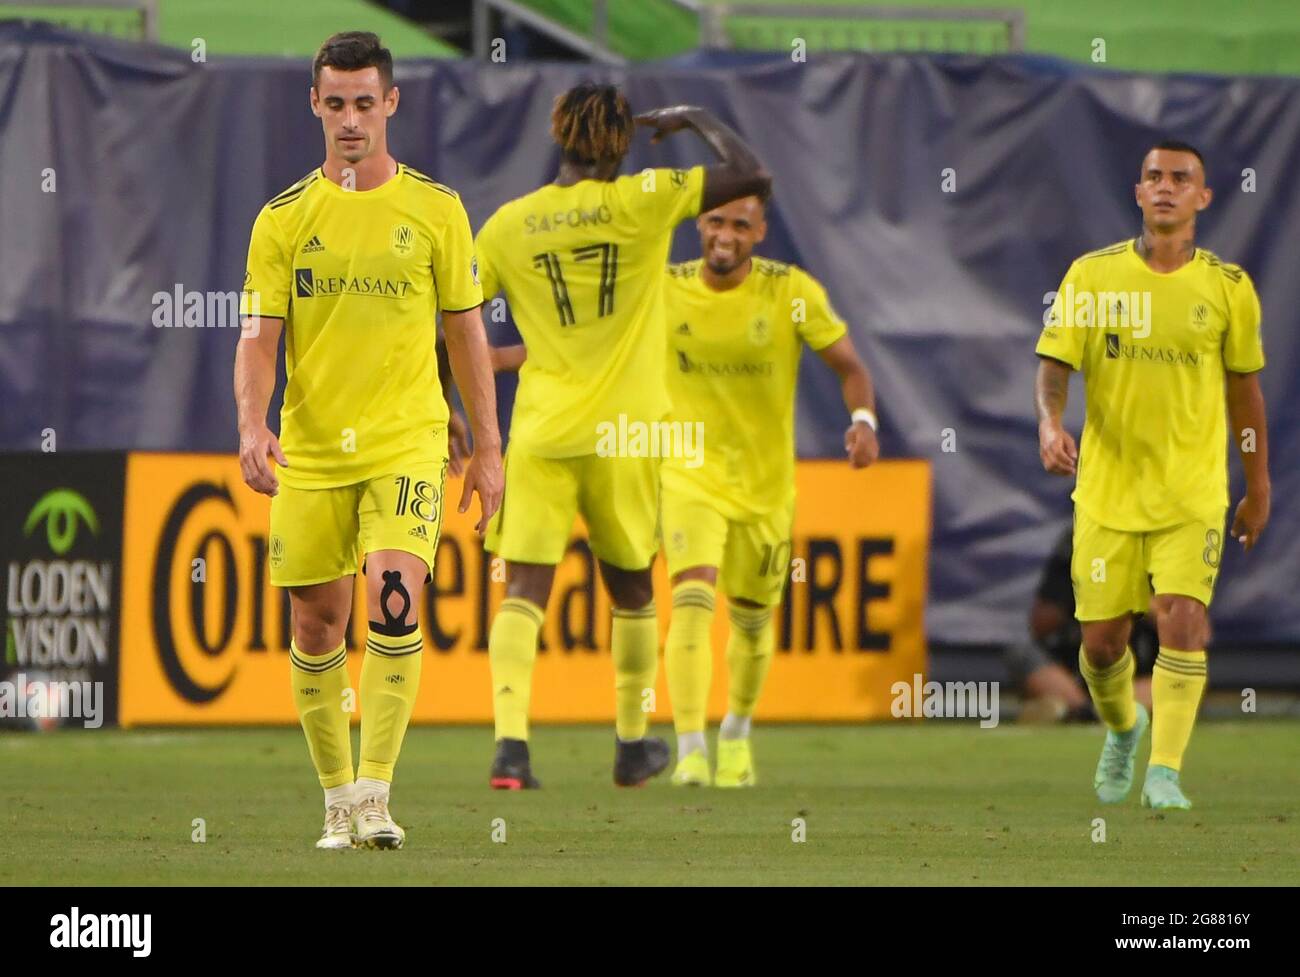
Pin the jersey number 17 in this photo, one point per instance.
(549, 262)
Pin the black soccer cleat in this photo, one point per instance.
(637, 761)
(511, 769)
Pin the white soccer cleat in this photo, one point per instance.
(337, 834)
(375, 827)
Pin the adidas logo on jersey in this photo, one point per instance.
(313, 246)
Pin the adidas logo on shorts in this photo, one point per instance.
(419, 533)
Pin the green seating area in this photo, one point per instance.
(245, 27)
(1258, 37)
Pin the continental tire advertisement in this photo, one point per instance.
(206, 637)
(61, 543)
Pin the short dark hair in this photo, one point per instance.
(1178, 146)
(353, 51)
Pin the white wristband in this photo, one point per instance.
(867, 417)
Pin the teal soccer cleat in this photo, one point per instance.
(1114, 777)
(1161, 791)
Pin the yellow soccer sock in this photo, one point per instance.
(1112, 690)
(319, 683)
(688, 654)
(390, 681)
(1177, 683)
(512, 648)
(634, 646)
(749, 656)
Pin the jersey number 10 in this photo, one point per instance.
(549, 262)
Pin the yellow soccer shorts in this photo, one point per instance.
(618, 498)
(752, 555)
(318, 535)
(1115, 572)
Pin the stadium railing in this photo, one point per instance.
(871, 28)
(612, 34)
(596, 47)
(133, 19)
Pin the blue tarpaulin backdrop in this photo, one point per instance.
(159, 166)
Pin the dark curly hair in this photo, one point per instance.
(592, 123)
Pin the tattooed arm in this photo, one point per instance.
(1056, 447)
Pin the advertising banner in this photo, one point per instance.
(206, 637)
(60, 546)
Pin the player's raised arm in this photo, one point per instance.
(1056, 447)
(859, 397)
(740, 174)
(254, 383)
(467, 350)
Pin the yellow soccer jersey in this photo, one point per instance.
(1153, 349)
(582, 269)
(733, 365)
(358, 277)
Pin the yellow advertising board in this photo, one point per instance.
(205, 637)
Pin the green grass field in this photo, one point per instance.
(898, 805)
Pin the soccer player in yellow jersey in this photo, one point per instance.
(1167, 337)
(351, 264)
(581, 263)
(737, 324)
